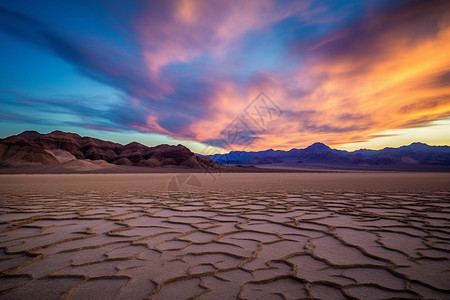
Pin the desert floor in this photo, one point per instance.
(225, 236)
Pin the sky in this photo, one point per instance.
(228, 75)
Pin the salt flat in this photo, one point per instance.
(225, 236)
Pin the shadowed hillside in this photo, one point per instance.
(57, 147)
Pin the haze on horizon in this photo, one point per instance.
(350, 74)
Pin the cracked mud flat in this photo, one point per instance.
(247, 236)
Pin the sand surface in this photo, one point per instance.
(225, 236)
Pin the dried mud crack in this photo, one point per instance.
(224, 244)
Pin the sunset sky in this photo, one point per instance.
(350, 74)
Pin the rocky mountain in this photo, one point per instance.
(17, 151)
(57, 147)
(319, 153)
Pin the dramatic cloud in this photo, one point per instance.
(180, 31)
(341, 72)
(386, 71)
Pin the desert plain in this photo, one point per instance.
(341, 235)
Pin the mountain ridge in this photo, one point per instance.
(64, 148)
(320, 153)
(59, 148)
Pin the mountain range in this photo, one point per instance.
(319, 153)
(74, 152)
(30, 148)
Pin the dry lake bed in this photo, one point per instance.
(225, 236)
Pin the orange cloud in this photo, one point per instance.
(389, 71)
(392, 72)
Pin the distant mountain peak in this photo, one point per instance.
(59, 133)
(29, 132)
(418, 144)
(134, 144)
(318, 146)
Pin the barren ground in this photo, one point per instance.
(225, 236)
